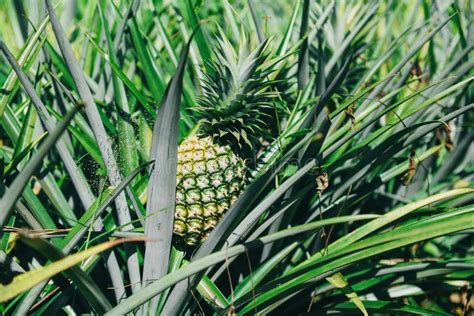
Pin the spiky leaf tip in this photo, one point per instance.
(237, 104)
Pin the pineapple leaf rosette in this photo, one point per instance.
(234, 113)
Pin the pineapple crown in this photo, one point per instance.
(236, 107)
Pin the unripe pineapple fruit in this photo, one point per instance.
(233, 114)
(209, 179)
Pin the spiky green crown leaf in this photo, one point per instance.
(236, 106)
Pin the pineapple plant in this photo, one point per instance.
(233, 114)
(332, 135)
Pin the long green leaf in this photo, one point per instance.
(162, 184)
(84, 282)
(29, 279)
(13, 192)
(156, 287)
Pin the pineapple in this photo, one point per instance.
(209, 179)
(233, 114)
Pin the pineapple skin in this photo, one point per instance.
(210, 178)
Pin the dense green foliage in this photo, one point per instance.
(355, 119)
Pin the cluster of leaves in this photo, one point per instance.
(361, 202)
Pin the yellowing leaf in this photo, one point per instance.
(27, 280)
(338, 280)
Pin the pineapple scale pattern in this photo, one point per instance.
(209, 179)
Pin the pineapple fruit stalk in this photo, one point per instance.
(233, 114)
